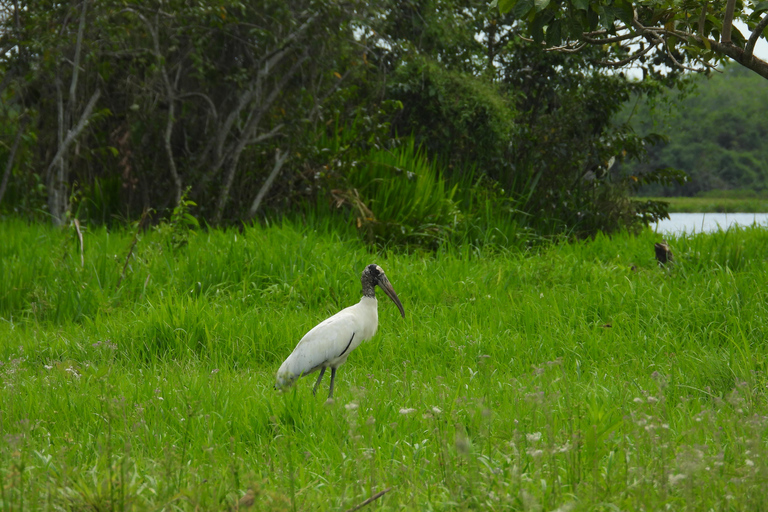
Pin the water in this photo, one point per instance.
(707, 222)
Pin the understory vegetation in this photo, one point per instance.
(138, 371)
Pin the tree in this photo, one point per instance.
(684, 34)
(132, 102)
(541, 125)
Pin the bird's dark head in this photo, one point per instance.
(373, 270)
(374, 275)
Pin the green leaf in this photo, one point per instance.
(592, 19)
(623, 10)
(574, 27)
(762, 6)
(581, 4)
(541, 20)
(505, 5)
(554, 36)
(522, 8)
(672, 42)
(541, 4)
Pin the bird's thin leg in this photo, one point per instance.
(333, 379)
(319, 378)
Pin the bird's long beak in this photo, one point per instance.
(387, 287)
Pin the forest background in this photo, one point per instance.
(415, 122)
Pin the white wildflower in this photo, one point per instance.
(674, 478)
(408, 410)
(532, 438)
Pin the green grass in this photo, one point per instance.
(575, 377)
(714, 204)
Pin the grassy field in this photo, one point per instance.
(576, 377)
(714, 204)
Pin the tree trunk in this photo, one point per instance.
(57, 170)
(11, 156)
(279, 161)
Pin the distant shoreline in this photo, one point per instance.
(712, 204)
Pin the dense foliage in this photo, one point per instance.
(716, 135)
(132, 107)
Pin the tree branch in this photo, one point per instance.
(171, 98)
(279, 161)
(12, 155)
(703, 19)
(245, 138)
(73, 133)
(76, 64)
(755, 36)
(739, 55)
(205, 97)
(607, 40)
(725, 37)
(633, 57)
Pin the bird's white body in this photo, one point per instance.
(331, 341)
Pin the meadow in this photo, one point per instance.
(138, 372)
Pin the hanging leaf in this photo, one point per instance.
(522, 8)
(554, 36)
(581, 4)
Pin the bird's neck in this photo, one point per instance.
(368, 289)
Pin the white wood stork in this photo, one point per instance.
(329, 343)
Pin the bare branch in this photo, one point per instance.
(169, 151)
(73, 133)
(247, 134)
(12, 155)
(703, 19)
(76, 64)
(631, 58)
(725, 37)
(264, 136)
(56, 203)
(608, 40)
(279, 161)
(755, 36)
(205, 97)
(171, 98)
